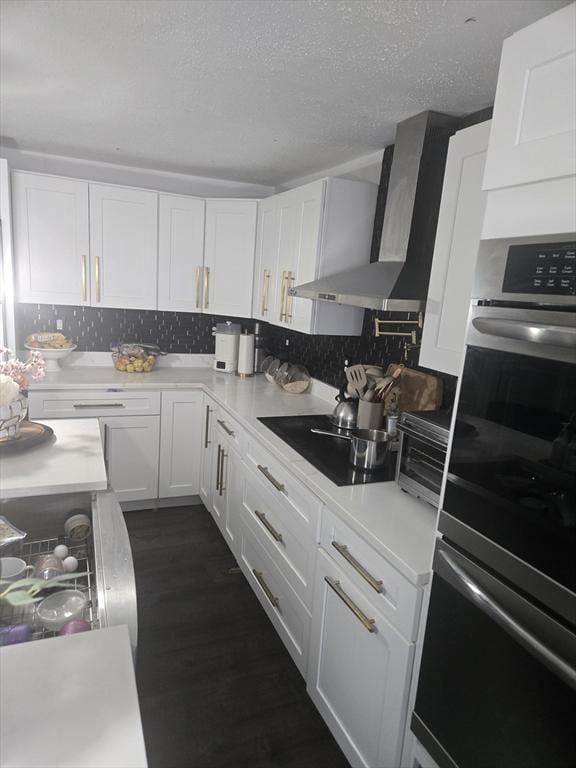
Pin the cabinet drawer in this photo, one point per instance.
(287, 491)
(288, 541)
(227, 427)
(84, 403)
(394, 596)
(288, 615)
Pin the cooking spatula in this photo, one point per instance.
(357, 380)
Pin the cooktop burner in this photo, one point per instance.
(327, 454)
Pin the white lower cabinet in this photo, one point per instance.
(131, 453)
(180, 445)
(359, 670)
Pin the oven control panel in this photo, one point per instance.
(545, 268)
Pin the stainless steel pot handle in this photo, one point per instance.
(509, 624)
(538, 333)
(331, 434)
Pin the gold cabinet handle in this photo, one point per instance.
(290, 280)
(226, 428)
(97, 276)
(198, 289)
(267, 591)
(218, 469)
(84, 278)
(376, 584)
(206, 287)
(283, 297)
(222, 457)
(208, 412)
(370, 624)
(279, 486)
(265, 290)
(268, 525)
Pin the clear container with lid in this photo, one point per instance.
(270, 367)
(295, 379)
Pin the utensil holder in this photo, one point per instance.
(370, 415)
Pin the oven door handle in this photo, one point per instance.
(538, 333)
(509, 624)
(411, 432)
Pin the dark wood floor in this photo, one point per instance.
(217, 687)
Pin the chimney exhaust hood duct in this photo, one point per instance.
(399, 279)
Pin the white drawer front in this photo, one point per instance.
(394, 596)
(228, 428)
(284, 609)
(82, 404)
(284, 486)
(288, 541)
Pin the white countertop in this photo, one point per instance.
(77, 697)
(399, 526)
(71, 461)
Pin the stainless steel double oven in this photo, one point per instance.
(497, 685)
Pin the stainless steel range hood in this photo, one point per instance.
(399, 279)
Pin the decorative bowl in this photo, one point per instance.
(52, 357)
(11, 416)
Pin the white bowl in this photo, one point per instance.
(52, 357)
(60, 607)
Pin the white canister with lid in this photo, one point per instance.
(227, 336)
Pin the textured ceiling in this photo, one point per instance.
(255, 90)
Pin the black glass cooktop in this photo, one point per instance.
(327, 454)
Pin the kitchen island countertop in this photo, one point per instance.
(397, 525)
(71, 461)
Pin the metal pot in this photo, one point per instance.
(368, 447)
(345, 413)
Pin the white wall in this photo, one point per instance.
(177, 183)
(365, 168)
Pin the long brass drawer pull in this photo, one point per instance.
(226, 428)
(218, 469)
(370, 624)
(99, 405)
(271, 478)
(268, 525)
(222, 457)
(206, 287)
(207, 433)
(376, 584)
(198, 289)
(84, 278)
(267, 591)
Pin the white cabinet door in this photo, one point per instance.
(180, 253)
(533, 134)
(229, 256)
(359, 670)
(51, 241)
(180, 444)
(123, 246)
(131, 446)
(207, 451)
(299, 221)
(266, 261)
(455, 251)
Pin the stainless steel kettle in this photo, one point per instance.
(345, 413)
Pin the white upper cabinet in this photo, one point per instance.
(305, 233)
(457, 240)
(180, 253)
(533, 134)
(229, 257)
(266, 260)
(51, 239)
(123, 246)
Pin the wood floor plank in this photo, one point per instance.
(217, 688)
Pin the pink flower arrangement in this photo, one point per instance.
(22, 373)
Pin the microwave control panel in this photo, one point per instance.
(545, 268)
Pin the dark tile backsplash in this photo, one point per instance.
(94, 330)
